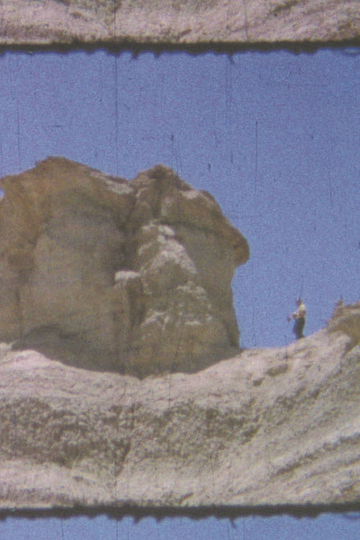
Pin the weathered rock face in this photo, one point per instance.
(267, 427)
(178, 22)
(346, 319)
(114, 275)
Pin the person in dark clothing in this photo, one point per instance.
(299, 316)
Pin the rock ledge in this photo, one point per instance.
(267, 427)
(166, 22)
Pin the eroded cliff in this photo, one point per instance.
(107, 274)
(185, 22)
(267, 427)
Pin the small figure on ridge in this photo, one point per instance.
(299, 316)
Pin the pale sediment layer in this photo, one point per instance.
(166, 22)
(267, 427)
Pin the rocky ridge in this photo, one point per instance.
(165, 22)
(266, 427)
(107, 274)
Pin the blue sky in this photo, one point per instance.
(325, 527)
(274, 136)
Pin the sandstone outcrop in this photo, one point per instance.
(108, 274)
(346, 319)
(267, 427)
(166, 22)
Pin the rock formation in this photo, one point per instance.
(108, 274)
(267, 427)
(194, 22)
(346, 319)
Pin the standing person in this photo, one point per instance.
(299, 316)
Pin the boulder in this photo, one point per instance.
(107, 274)
(267, 427)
